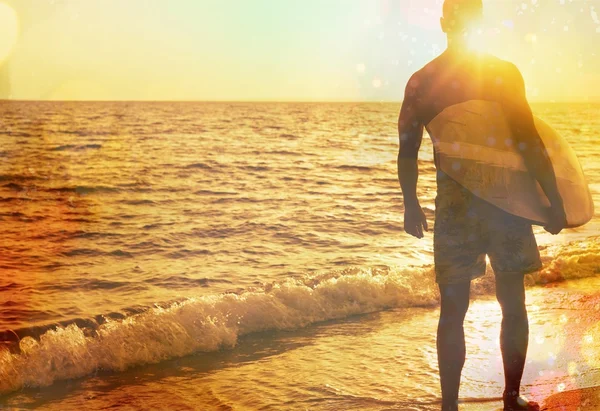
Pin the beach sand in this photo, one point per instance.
(583, 399)
(587, 399)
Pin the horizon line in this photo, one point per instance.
(533, 101)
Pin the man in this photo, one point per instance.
(466, 227)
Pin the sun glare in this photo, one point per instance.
(476, 39)
(9, 30)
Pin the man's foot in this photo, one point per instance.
(453, 406)
(516, 403)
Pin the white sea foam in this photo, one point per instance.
(209, 323)
(215, 322)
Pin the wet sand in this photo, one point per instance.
(583, 399)
(586, 399)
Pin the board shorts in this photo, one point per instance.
(467, 228)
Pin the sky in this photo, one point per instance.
(277, 50)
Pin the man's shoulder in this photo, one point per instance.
(414, 83)
(421, 76)
(501, 65)
(489, 63)
(428, 69)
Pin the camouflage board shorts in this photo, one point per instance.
(467, 228)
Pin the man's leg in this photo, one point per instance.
(451, 340)
(514, 337)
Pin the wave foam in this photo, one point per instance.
(207, 324)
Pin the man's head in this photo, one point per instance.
(459, 15)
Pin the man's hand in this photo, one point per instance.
(415, 221)
(558, 220)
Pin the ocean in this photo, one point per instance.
(183, 255)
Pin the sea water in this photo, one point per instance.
(252, 256)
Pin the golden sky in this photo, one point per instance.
(315, 50)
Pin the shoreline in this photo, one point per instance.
(582, 399)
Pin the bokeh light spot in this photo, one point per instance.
(590, 346)
(531, 38)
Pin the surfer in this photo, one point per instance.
(467, 228)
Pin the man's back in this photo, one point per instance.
(459, 76)
(454, 78)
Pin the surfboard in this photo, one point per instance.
(474, 145)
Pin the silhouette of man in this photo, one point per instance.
(467, 228)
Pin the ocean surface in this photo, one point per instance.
(252, 256)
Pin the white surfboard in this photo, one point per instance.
(475, 147)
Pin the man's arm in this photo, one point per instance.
(410, 131)
(533, 149)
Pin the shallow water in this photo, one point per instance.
(113, 211)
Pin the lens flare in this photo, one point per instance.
(9, 30)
